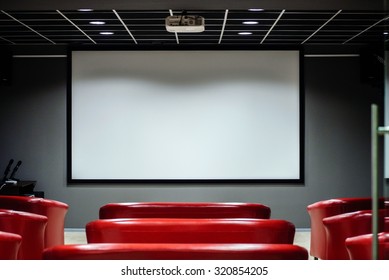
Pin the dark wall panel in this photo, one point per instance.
(5, 66)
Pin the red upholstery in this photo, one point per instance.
(184, 210)
(386, 227)
(31, 227)
(340, 227)
(360, 247)
(163, 230)
(9, 245)
(327, 208)
(387, 207)
(174, 251)
(55, 211)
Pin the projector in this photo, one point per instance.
(185, 23)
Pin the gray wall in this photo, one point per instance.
(337, 144)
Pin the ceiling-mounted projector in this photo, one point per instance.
(184, 23)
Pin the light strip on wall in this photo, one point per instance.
(274, 24)
(28, 27)
(125, 26)
(363, 31)
(171, 14)
(65, 17)
(321, 26)
(224, 26)
(39, 56)
(332, 55)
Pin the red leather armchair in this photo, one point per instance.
(184, 210)
(169, 251)
(327, 208)
(55, 211)
(339, 227)
(9, 245)
(387, 207)
(163, 230)
(31, 227)
(360, 247)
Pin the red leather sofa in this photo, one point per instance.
(31, 227)
(169, 251)
(9, 245)
(184, 210)
(327, 208)
(164, 230)
(55, 212)
(339, 227)
(360, 247)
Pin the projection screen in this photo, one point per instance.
(184, 116)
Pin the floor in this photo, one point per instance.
(77, 236)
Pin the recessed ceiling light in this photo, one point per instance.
(386, 33)
(250, 22)
(106, 33)
(245, 33)
(85, 10)
(97, 22)
(256, 10)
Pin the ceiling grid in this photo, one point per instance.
(222, 27)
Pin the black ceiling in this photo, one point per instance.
(222, 27)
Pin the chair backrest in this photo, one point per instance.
(327, 208)
(184, 210)
(31, 227)
(169, 251)
(163, 230)
(9, 245)
(386, 228)
(54, 210)
(360, 247)
(339, 227)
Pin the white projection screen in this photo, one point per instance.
(182, 116)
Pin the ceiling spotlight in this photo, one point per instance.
(106, 33)
(85, 10)
(245, 33)
(250, 22)
(386, 33)
(97, 22)
(256, 10)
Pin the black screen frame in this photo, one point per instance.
(299, 181)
